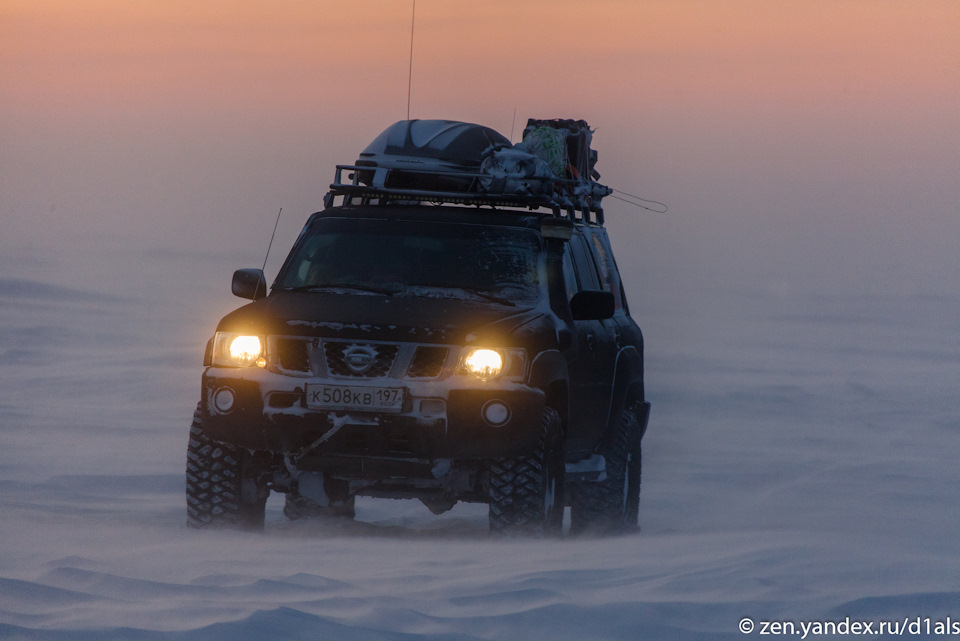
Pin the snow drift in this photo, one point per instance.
(801, 465)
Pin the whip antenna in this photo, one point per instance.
(271, 240)
(413, 21)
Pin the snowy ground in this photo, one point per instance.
(801, 465)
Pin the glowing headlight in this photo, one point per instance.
(245, 349)
(238, 350)
(483, 363)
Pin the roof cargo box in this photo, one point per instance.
(427, 155)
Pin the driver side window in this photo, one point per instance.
(578, 268)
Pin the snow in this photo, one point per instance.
(800, 464)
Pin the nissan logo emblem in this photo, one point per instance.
(359, 358)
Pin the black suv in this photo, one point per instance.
(451, 330)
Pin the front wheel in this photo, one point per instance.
(526, 493)
(221, 489)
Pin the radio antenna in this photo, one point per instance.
(413, 21)
(271, 240)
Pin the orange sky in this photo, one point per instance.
(744, 115)
(115, 56)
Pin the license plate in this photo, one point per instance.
(354, 398)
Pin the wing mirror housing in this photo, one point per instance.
(249, 283)
(592, 304)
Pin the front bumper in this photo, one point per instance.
(438, 420)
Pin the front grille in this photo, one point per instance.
(359, 360)
(427, 362)
(293, 354)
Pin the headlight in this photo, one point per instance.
(483, 363)
(487, 363)
(238, 350)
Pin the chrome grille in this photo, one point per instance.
(359, 360)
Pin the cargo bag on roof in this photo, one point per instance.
(553, 159)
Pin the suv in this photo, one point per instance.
(453, 329)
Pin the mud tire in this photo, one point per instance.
(526, 493)
(612, 506)
(219, 492)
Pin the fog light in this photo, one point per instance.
(224, 399)
(495, 413)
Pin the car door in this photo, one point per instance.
(628, 334)
(592, 364)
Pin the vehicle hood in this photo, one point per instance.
(397, 318)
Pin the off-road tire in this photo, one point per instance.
(526, 493)
(218, 494)
(612, 505)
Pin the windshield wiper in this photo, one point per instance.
(363, 288)
(482, 293)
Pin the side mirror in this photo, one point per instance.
(249, 283)
(592, 304)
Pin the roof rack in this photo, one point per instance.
(575, 200)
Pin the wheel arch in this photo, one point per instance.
(549, 372)
(628, 387)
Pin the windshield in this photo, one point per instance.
(416, 258)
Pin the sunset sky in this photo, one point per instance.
(804, 141)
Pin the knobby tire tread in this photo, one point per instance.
(517, 486)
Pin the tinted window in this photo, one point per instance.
(586, 272)
(609, 278)
(403, 255)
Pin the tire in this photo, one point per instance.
(612, 505)
(526, 493)
(220, 492)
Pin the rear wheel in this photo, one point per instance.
(526, 493)
(613, 504)
(222, 489)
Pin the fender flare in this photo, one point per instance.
(627, 386)
(549, 372)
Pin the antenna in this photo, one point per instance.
(413, 21)
(637, 201)
(269, 246)
(513, 124)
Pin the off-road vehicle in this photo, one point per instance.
(450, 327)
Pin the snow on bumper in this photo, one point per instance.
(458, 418)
